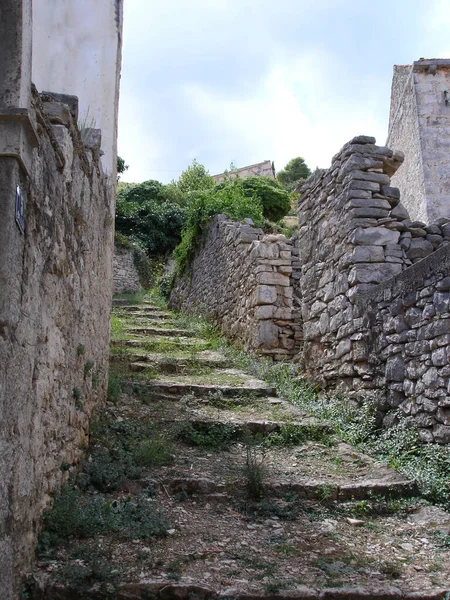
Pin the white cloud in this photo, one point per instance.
(294, 111)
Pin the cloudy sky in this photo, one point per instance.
(249, 80)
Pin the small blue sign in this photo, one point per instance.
(20, 210)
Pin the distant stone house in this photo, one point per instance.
(265, 168)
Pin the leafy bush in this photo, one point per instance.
(195, 178)
(147, 214)
(274, 199)
(81, 516)
(229, 200)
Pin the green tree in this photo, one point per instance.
(273, 197)
(121, 166)
(145, 215)
(293, 173)
(195, 178)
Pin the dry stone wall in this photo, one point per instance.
(241, 279)
(126, 277)
(55, 297)
(408, 320)
(354, 235)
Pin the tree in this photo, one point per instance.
(121, 166)
(273, 197)
(144, 214)
(293, 173)
(195, 178)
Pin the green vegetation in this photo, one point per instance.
(121, 166)
(146, 215)
(120, 450)
(255, 469)
(82, 516)
(214, 436)
(294, 173)
(398, 446)
(229, 200)
(194, 179)
(274, 198)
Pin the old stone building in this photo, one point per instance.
(419, 126)
(57, 198)
(265, 169)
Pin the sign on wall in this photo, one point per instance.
(20, 210)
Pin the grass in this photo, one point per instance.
(399, 446)
(76, 515)
(211, 436)
(255, 468)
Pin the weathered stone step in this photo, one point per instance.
(215, 551)
(140, 362)
(176, 390)
(146, 310)
(169, 590)
(124, 302)
(395, 486)
(148, 316)
(152, 331)
(181, 365)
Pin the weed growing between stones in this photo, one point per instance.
(114, 387)
(213, 436)
(255, 468)
(83, 516)
(399, 446)
(120, 451)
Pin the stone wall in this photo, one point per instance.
(420, 126)
(241, 279)
(126, 277)
(55, 296)
(367, 301)
(408, 320)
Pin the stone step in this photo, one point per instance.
(168, 589)
(148, 316)
(124, 302)
(141, 341)
(176, 390)
(159, 331)
(323, 490)
(148, 362)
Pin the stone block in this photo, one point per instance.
(373, 272)
(265, 250)
(369, 212)
(441, 434)
(267, 335)
(395, 369)
(265, 294)
(364, 254)
(265, 311)
(374, 236)
(273, 279)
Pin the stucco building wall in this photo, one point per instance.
(420, 127)
(77, 51)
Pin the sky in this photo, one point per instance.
(243, 81)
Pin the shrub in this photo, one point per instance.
(147, 214)
(274, 199)
(229, 200)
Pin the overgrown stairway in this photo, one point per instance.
(201, 483)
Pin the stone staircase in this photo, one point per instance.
(260, 500)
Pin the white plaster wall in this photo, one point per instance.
(77, 50)
(434, 126)
(404, 135)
